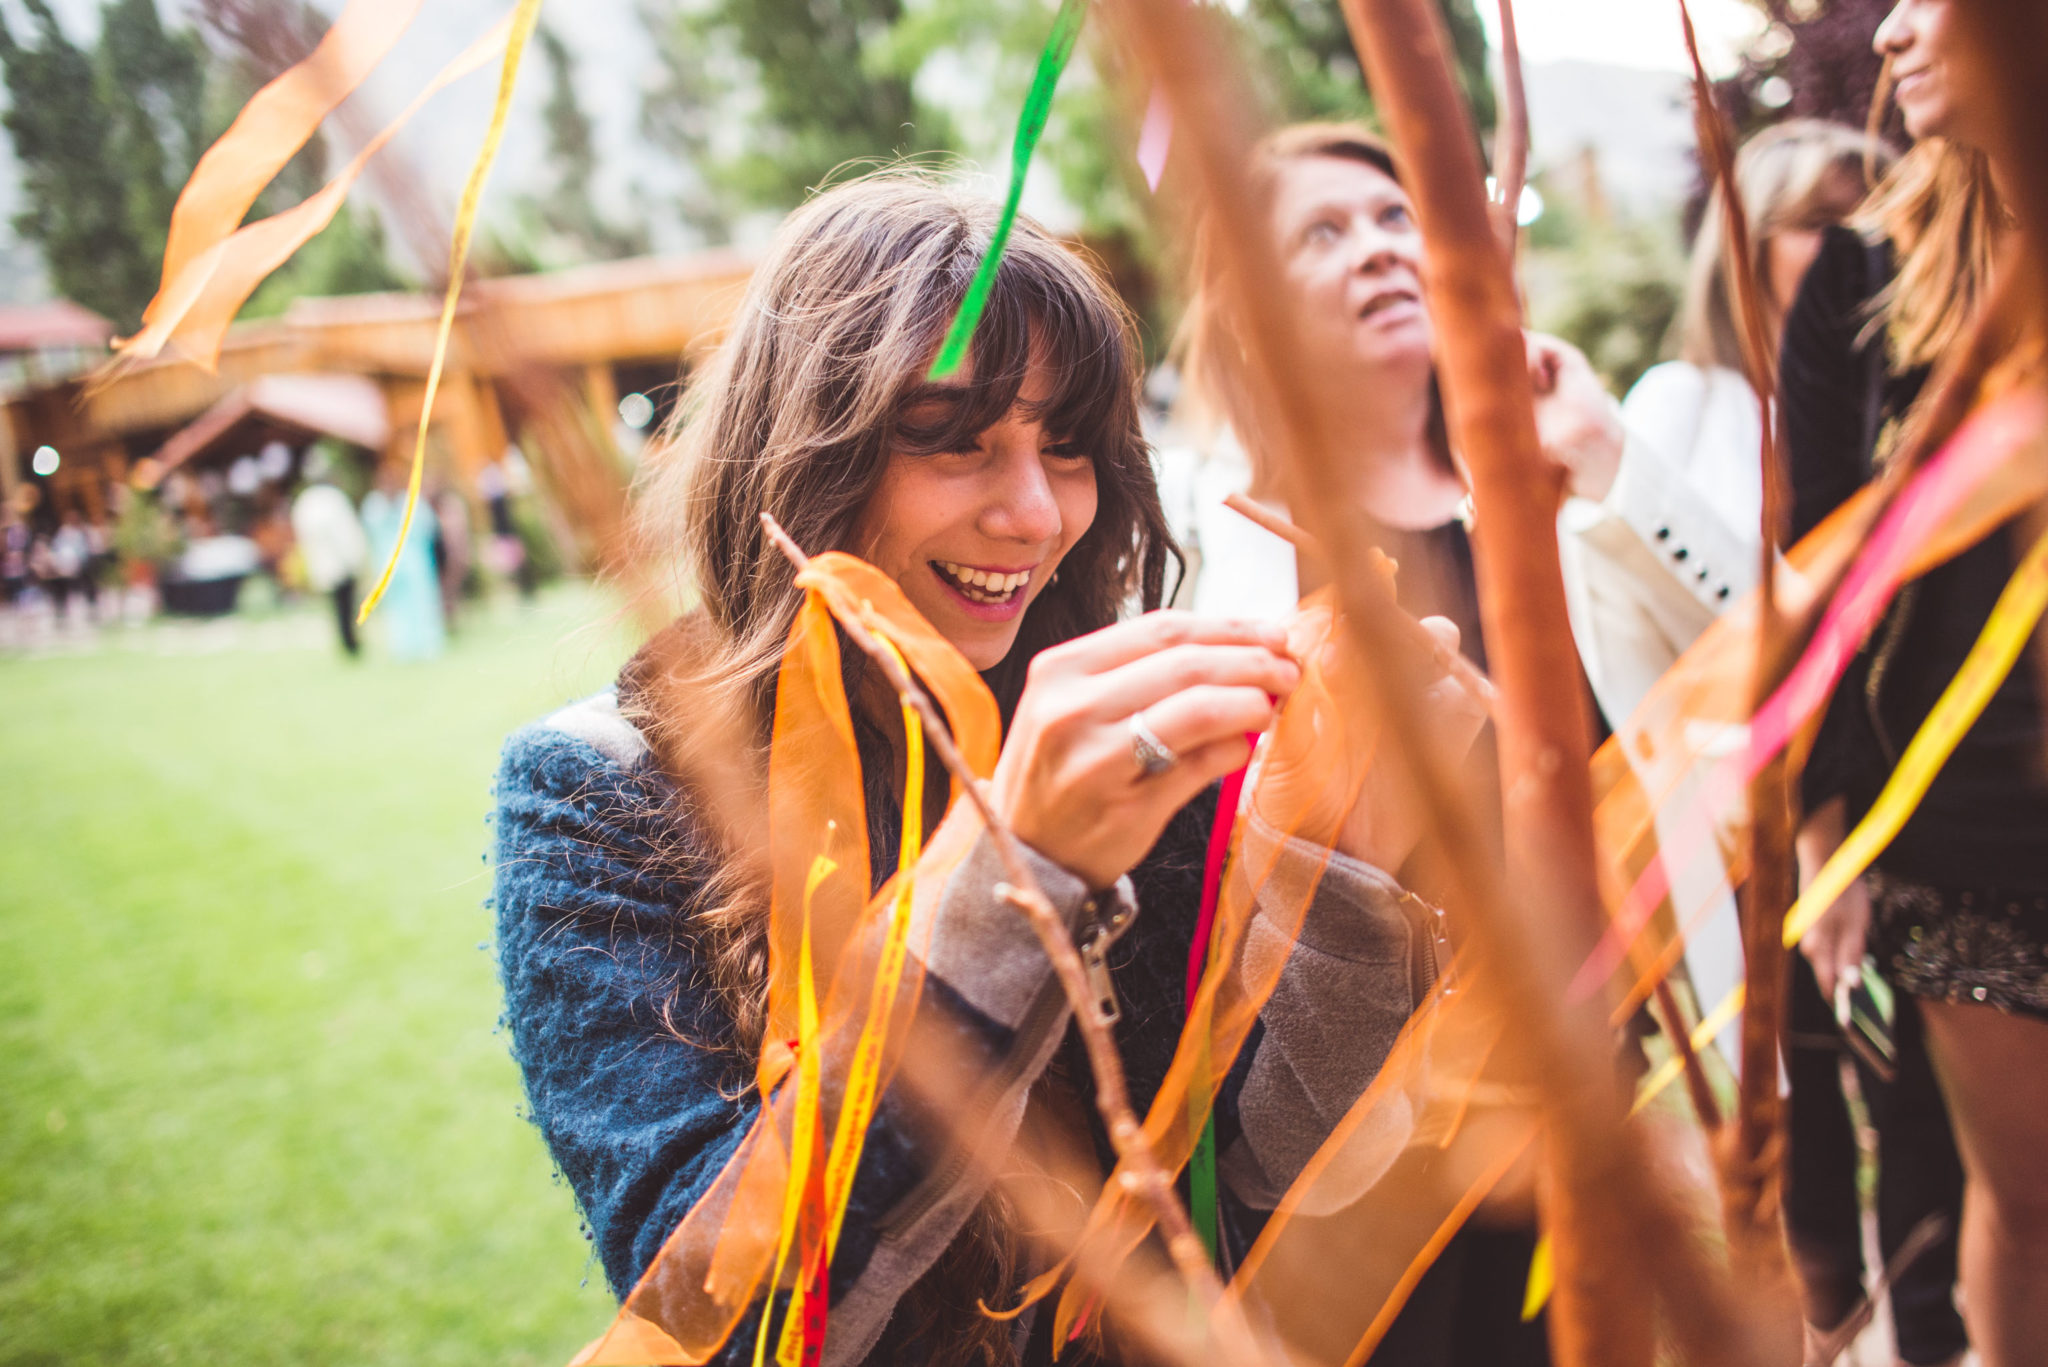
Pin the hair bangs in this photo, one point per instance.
(1044, 310)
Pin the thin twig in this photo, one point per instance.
(1704, 1103)
(1751, 1183)
(1925, 1236)
(1511, 134)
(1268, 520)
(1145, 1178)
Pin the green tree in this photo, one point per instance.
(85, 214)
(106, 138)
(813, 86)
(566, 216)
(1313, 71)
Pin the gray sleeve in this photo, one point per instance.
(1348, 985)
(985, 950)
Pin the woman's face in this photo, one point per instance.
(1788, 253)
(974, 535)
(1353, 255)
(1918, 37)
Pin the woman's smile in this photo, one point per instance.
(994, 593)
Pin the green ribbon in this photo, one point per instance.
(1066, 31)
(1202, 1187)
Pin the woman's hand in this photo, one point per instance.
(1577, 421)
(1070, 783)
(1834, 946)
(1387, 822)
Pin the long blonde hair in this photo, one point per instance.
(1802, 174)
(1941, 212)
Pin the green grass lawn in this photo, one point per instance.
(256, 1109)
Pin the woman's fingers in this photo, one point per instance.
(1199, 768)
(1144, 682)
(1101, 651)
(1195, 717)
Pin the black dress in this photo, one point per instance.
(1959, 899)
(1840, 404)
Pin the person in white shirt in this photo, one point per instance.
(332, 545)
(1674, 542)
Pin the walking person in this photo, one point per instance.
(332, 545)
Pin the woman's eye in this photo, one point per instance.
(1068, 450)
(1396, 216)
(1321, 233)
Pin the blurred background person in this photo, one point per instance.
(411, 608)
(333, 549)
(65, 561)
(1351, 253)
(1698, 414)
(498, 483)
(455, 546)
(1954, 912)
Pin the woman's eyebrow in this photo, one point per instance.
(950, 395)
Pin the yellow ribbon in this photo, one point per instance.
(1996, 650)
(864, 1073)
(523, 20)
(804, 1124)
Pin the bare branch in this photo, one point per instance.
(1511, 134)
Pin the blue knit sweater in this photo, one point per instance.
(617, 1032)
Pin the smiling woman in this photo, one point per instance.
(1014, 506)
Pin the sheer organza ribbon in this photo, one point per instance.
(842, 1043)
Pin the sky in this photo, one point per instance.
(1637, 33)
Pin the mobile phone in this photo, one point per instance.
(1865, 1008)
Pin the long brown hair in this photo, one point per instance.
(799, 414)
(1942, 214)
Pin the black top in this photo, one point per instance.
(1984, 822)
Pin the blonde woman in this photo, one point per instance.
(1646, 585)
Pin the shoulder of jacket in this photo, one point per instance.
(581, 750)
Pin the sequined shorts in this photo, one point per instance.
(1986, 945)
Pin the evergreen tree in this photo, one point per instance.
(106, 139)
(568, 214)
(87, 206)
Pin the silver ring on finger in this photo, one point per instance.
(1153, 755)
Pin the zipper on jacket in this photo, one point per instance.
(1106, 925)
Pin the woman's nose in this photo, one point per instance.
(1891, 34)
(1376, 250)
(1023, 507)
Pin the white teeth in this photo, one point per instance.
(984, 585)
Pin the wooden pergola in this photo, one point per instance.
(588, 325)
